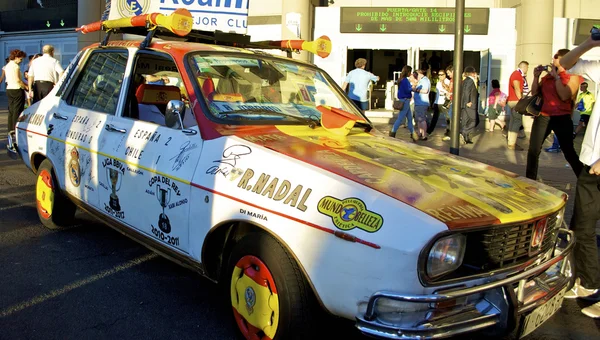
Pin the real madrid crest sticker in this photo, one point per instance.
(74, 168)
(129, 8)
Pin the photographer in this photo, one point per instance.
(558, 90)
(586, 211)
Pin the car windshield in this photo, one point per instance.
(265, 90)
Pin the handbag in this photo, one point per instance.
(447, 103)
(530, 105)
(398, 104)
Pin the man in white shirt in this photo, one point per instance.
(586, 211)
(44, 72)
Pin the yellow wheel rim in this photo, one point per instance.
(44, 193)
(254, 299)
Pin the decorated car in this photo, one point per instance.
(258, 172)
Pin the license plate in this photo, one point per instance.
(539, 315)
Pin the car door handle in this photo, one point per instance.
(59, 116)
(112, 128)
(189, 132)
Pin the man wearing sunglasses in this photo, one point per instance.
(586, 211)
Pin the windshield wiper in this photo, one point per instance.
(258, 111)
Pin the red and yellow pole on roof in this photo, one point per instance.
(180, 22)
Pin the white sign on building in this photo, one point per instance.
(209, 15)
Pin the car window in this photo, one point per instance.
(100, 81)
(156, 81)
(68, 74)
(261, 89)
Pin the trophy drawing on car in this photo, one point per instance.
(163, 195)
(114, 178)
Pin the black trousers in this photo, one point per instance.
(563, 129)
(16, 104)
(434, 119)
(41, 90)
(586, 213)
(468, 119)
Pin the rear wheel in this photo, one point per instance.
(54, 209)
(269, 295)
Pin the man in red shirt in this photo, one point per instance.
(517, 87)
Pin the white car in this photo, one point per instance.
(259, 173)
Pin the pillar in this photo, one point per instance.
(89, 11)
(535, 23)
(302, 7)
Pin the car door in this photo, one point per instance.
(146, 167)
(89, 104)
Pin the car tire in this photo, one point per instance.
(270, 297)
(54, 209)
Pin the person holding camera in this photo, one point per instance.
(558, 88)
(586, 211)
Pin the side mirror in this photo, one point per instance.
(174, 114)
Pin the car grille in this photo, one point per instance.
(505, 246)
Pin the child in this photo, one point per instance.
(496, 104)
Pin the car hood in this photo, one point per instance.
(459, 192)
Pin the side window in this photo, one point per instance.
(100, 82)
(68, 74)
(156, 81)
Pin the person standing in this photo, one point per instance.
(517, 87)
(558, 88)
(496, 104)
(468, 105)
(404, 95)
(585, 102)
(448, 104)
(440, 100)
(586, 211)
(44, 72)
(421, 99)
(359, 81)
(14, 87)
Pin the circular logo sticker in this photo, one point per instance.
(74, 169)
(129, 8)
(250, 299)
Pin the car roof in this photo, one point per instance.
(180, 48)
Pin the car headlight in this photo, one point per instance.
(446, 255)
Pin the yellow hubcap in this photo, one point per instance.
(44, 193)
(254, 299)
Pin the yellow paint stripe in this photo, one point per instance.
(120, 160)
(77, 284)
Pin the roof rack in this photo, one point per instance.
(178, 25)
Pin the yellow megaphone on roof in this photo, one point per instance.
(178, 22)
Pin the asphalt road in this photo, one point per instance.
(90, 282)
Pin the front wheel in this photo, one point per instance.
(54, 209)
(269, 295)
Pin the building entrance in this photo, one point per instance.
(387, 64)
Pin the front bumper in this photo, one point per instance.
(452, 312)
(11, 146)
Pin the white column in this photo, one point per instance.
(535, 22)
(302, 7)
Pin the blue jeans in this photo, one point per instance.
(403, 114)
(555, 144)
(361, 105)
